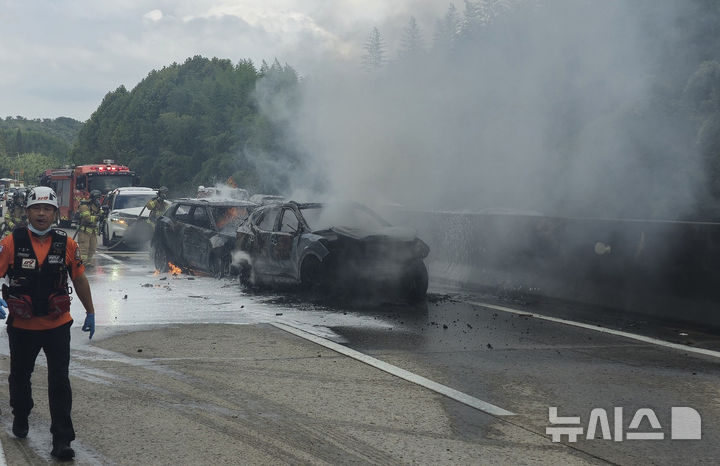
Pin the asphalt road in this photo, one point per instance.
(192, 370)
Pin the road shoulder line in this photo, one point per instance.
(597, 328)
(398, 372)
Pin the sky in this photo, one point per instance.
(60, 58)
(549, 110)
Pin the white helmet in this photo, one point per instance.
(42, 195)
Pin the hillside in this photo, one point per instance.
(30, 146)
(193, 123)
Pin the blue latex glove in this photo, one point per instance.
(89, 325)
(4, 305)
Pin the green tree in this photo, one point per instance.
(47, 136)
(19, 147)
(27, 167)
(191, 123)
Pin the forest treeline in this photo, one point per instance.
(194, 123)
(189, 124)
(28, 147)
(207, 119)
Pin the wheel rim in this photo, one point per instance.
(160, 259)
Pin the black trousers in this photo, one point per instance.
(25, 345)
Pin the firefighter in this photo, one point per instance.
(38, 260)
(15, 215)
(156, 205)
(90, 214)
(9, 198)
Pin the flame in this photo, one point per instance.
(174, 269)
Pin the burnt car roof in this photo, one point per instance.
(306, 205)
(215, 202)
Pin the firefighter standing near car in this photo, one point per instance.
(15, 214)
(156, 205)
(90, 214)
(38, 260)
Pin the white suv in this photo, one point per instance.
(124, 207)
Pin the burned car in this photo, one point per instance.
(333, 246)
(199, 234)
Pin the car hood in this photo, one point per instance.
(396, 233)
(131, 212)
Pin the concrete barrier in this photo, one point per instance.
(662, 268)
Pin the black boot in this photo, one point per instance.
(62, 451)
(20, 426)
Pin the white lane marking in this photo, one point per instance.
(110, 258)
(620, 333)
(398, 372)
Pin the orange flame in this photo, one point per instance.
(174, 270)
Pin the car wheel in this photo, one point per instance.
(416, 282)
(313, 276)
(245, 273)
(160, 257)
(220, 266)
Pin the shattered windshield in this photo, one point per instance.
(324, 217)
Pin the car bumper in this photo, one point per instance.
(117, 228)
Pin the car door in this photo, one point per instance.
(263, 229)
(196, 243)
(169, 231)
(282, 242)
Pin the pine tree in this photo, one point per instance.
(411, 43)
(447, 30)
(374, 57)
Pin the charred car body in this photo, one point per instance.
(331, 246)
(265, 199)
(199, 234)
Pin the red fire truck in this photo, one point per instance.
(72, 185)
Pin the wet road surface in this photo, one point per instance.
(517, 362)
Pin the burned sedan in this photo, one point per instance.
(199, 234)
(333, 246)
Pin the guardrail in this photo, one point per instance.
(667, 269)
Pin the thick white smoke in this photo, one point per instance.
(546, 107)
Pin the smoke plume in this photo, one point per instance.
(541, 106)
